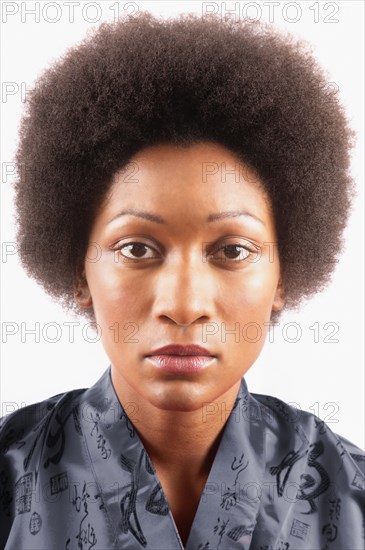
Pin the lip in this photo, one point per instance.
(178, 349)
(181, 364)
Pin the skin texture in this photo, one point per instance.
(174, 294)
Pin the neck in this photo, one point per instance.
(184, 442)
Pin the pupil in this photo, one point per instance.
(140, 249)
(231, 249)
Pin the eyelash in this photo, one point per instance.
(132, 243)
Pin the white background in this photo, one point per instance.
(326, 378)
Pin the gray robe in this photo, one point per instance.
(74, 474)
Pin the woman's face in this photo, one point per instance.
(192, 277)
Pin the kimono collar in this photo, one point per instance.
(137, 508)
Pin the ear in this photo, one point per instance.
(82, 293)
(279, 298)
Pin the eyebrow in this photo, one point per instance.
(158, 219)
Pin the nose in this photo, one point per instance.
(184, 291)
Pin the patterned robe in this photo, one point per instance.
(74, 474)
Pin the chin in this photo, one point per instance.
(178, 407)
(183, 400)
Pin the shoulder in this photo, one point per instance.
(23, 434)
(26, 433)
(29, 415)
(23, 427)
(33, 439)
(293, 426)
(311, 470)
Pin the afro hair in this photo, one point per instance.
(139, 81)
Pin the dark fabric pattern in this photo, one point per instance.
(75, 475)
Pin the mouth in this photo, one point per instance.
(179, 359)
(191, 350)
(181, 364)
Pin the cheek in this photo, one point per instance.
(247, 312)
(252, 296)
(115, 295)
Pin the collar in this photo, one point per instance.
(131, 492)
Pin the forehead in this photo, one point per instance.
(186, 186)
(186, 190)
(204, 169)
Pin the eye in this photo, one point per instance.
(229, 252)
(136, 249)
(234, 252)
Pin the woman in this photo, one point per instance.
(179, 183)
